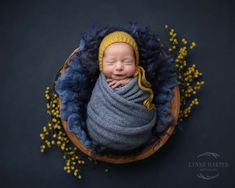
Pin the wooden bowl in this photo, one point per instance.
(131, 157)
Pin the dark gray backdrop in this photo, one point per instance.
(36, 38)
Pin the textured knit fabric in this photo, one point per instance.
(117, 118)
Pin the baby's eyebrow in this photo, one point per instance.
(109, 57)
(129, 57)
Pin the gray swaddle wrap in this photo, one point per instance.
(117, 118)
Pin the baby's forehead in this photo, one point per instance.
(119, 48)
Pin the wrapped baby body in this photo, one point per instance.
(117, 118)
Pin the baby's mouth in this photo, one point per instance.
(118, 75)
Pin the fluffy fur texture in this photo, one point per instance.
(76, 84)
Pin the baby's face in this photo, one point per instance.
(119, 61)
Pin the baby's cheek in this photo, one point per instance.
(107, 71)
(131, 70)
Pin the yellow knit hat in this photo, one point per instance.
(120, 36)
(117, 36)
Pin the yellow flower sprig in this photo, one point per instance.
(188, 75)
(54, 135)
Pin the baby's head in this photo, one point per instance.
(118, 56)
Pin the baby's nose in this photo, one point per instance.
(119, 66)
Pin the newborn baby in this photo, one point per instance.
(119, 64)
(120, 120)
